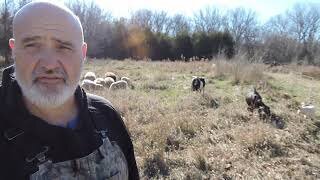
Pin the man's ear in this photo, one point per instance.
(11, 43)
(84, 50)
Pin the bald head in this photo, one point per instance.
(47, 15)
(48, 51)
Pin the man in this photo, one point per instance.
(51, 128)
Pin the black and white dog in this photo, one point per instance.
(198, 83)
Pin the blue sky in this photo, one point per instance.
(264, 8)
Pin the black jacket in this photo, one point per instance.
(23, 135)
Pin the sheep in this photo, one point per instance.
(98, 87)
(90, 75)
(128, 81)
(87, 84)
(112, 75)
(198, 83)
(254, 100)
(119, 85)
(108, 81)
(101, 81)
(90, 85)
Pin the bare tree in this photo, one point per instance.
(94, 21)
(21, 3)
(243, 26)
(156, 21)
(208, 20)
(6, 17)
(142, 18)
(277, 25)
(279, 49)
(160, 22)
(78, 7)
(304, 22)
(304, 25)
(179, 24)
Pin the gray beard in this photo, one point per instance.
(43, 97)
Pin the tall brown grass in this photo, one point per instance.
(180, 134)
(311, 72)
(240, 70)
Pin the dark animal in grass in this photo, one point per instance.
(198, 84)
(277, 121)
(266, 115)
(254, 100)
(264, 112)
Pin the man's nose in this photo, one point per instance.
(48, 59)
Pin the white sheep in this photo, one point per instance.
(90, 85)
(128, 81)
(90, 75)
(87, 84)
(111, 74)
(98, 87)
(119, 85)
(101, 81)
(108, 81)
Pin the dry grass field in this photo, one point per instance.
(180, 134)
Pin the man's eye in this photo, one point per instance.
(30, 45)
(64, 48)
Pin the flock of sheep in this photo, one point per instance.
(109, 81)
(92, 82)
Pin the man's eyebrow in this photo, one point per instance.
(66, 43)
(29, 39)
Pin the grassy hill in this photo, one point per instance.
(180, 134)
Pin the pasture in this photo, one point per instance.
(180, 134)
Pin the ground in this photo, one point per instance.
(180, 134)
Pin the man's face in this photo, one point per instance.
(49, 53)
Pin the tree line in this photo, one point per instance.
(292, 36)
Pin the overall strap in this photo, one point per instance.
(97, 121)
(20, 147)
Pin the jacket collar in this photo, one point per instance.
(13, 102)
